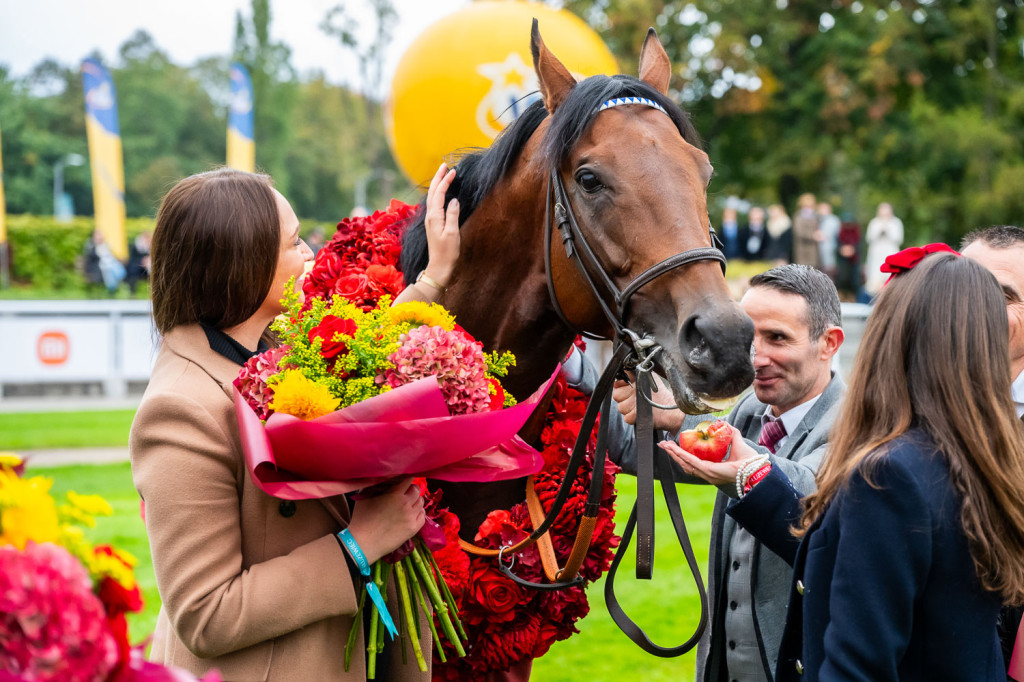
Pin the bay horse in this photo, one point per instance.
(635, 179)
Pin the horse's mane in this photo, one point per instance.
(479, 171)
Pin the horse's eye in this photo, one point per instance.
(589, 181)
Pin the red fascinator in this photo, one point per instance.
(905, 260)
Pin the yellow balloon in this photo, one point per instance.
(464, 78)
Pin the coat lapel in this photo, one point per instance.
(190, 342)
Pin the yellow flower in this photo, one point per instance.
(27, 511)
(420, 313)
(9, 460)
(296, 395)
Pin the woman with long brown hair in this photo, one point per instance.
(916, 533)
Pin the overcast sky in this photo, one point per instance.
(68, 30)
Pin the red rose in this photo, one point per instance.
(353, 286)
(907, 259)
(328, 328)
(496, 593)
(493, 524)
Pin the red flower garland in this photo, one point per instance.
(506, 624)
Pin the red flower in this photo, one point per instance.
(384, 279)
(498, 595)
(326, 331)
(907, 259)
(353, 286)
(498, 398)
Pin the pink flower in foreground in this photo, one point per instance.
(453, 357)
(52, 626)
(252, 380)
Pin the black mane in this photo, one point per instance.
(479, 171)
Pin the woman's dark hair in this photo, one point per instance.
(935, 354)
(215, 249)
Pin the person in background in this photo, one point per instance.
(316, 239)
(806, 235)
(884, 237)
(755, 236)
(828, 238)
(779, 249)
(916, 532)
(138, 261)
(730, 234)
(101, 265)
(250, 585)
(848, 272)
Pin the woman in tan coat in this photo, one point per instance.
(256, 587)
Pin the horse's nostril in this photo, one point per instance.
(690, 335)
(698, 351)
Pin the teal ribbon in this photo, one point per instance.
(356, 552)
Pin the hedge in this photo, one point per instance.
(47, 255)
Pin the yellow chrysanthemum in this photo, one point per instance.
(104, 565)
(9, 460)
(419, 313)
(296, 395)
(27, 511)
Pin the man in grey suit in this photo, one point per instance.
(797, 331)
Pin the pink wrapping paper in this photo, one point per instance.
(404, 432)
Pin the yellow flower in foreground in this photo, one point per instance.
(9, 460)
(420, 313)
(27, 511)
(300, 397)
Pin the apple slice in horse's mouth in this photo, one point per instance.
(720, 404)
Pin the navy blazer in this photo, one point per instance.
(884, 584)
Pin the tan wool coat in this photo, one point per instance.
(253, 586)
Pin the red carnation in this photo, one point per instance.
(326, 331)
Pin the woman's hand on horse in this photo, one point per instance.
(380, 524)
(716, 473)
(624, 396)
(443, 238)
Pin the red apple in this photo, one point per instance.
(710, 441)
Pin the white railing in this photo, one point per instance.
(113, 343)
(73, 342)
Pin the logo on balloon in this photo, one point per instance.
(513, 89)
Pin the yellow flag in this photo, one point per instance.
(105, 155)
(241, 147)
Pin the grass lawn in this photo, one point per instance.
(46, 430)
(666, 607)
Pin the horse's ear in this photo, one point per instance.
(655, 68)
(555, 80)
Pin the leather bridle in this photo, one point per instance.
(636, 352)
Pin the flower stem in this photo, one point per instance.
(449, 598)
(371, 641)
(427, 578)
(357, 626)
(403, 587)
(430, 617)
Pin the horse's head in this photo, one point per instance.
(635, 181)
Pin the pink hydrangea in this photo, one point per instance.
(52, 626)
(252, 380)
(453, 357)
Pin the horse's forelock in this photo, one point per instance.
(476, 175)
(575, 115)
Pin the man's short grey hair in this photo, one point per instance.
(811, 284)
(997, 236)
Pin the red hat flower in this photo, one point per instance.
(907, 259)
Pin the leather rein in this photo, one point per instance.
(635, 352)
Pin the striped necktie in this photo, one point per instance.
(772, 431)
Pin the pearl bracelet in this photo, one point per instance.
(746, 469)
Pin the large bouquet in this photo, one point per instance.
(506, 625)
(359, 395)
(63, 600)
